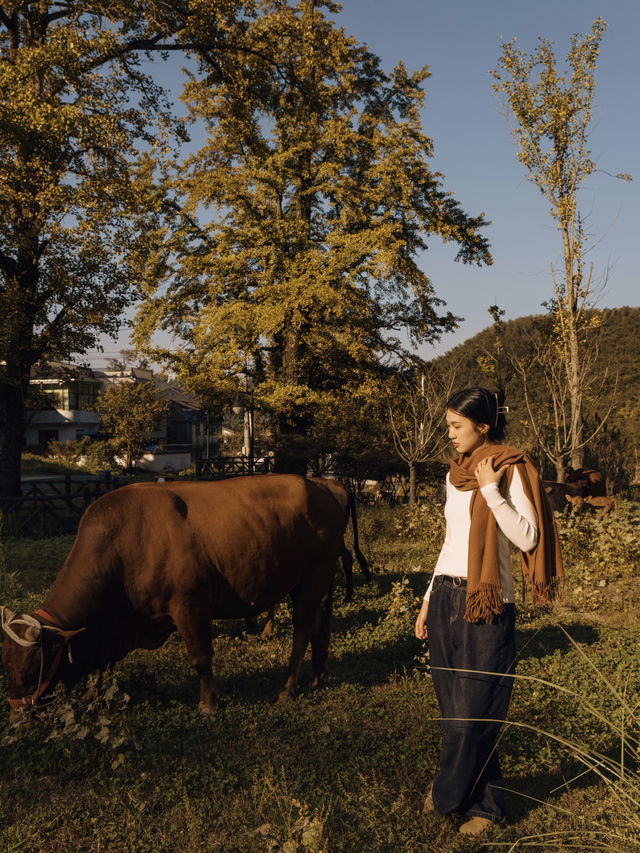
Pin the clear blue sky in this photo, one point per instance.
(460, 42)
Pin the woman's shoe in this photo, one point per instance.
(476, 825)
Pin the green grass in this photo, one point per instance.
(344, 768)
(42, 466)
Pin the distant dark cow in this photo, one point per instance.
(559, 493)
(154, 558)
(601, 506)
(576, 502)
(592, 482)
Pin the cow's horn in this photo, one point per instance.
(7, 615)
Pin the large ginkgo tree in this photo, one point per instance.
(290, 245)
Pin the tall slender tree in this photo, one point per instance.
(317, 177)
(549, 113)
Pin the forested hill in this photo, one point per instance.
(487, 359)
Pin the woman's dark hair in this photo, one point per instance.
(482, 407)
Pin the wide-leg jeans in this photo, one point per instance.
(472, 665)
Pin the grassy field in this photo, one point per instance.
(344, 768)
(33, 465)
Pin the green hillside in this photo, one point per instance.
(480, 361)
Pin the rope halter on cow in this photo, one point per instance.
(33, 637)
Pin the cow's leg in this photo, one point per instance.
(301, 637)
(320, 640)
(308, 598)
(251, 624)
(267, 631)
(194, 626)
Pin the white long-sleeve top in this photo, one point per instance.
(517, 524)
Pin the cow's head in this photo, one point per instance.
(32, 654)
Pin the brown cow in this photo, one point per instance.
(153, 558)
(592, 482)
(601, 506)
(559, 493)
(576, 502)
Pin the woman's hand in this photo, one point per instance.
(421, 621)
(485, 473)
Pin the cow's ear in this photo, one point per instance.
(7, 614)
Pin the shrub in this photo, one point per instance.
(424, 521)
(68, 451)
(600, 547)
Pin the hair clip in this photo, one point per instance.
(500, 410)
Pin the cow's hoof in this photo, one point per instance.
(284, 696)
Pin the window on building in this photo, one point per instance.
(83, 395)
(59, 397)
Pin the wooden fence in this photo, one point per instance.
(221, 467)
(51, 507)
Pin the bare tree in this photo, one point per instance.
(545, 379)
(416, 407)
(549, 113)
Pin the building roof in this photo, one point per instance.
(60, 371)
(174, 394)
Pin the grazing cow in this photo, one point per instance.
(601, 506)
(153, 558)
(576, 502)
(558, 493)
(592, 482)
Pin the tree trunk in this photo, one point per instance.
(560, 470)
(12, 425)
(571, 346)
(293, 451)
(412, 484)
(575, 392)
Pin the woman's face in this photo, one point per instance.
(466, 435)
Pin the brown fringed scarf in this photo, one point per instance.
(542, 566)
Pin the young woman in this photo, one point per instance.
(494, 499)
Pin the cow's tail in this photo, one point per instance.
(347, 568)
(366, 571)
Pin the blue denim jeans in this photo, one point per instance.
(472, 704)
